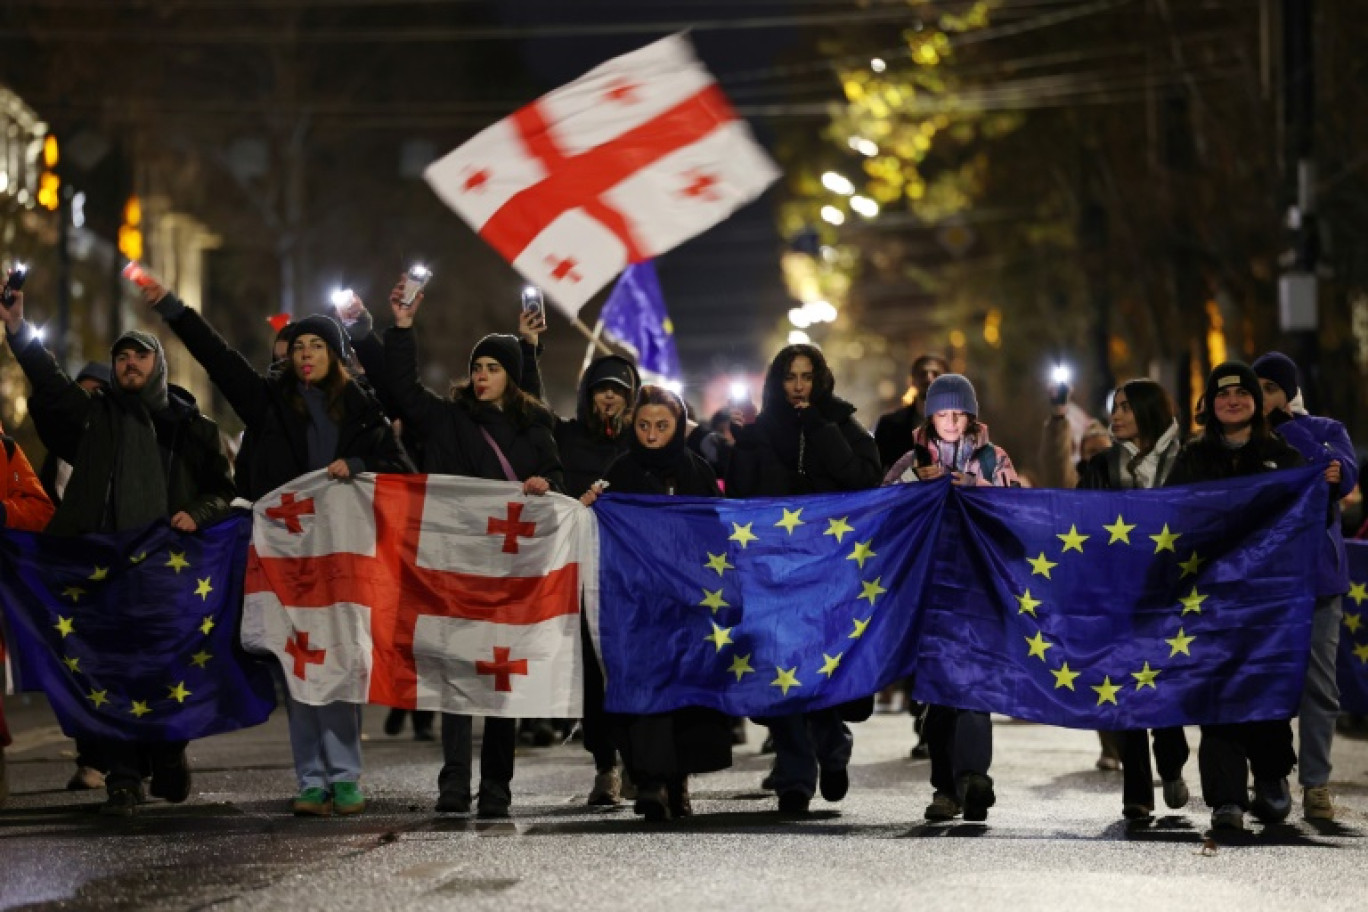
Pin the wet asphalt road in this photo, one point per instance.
(1054, 842)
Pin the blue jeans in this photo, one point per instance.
(805, 743)
(326, 741)
(1320, 699)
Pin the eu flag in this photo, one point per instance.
(1124, 610)
(1352, 664)
(134, 635)
(761, 607)
(634, 316)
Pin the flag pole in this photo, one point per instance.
(595, 337)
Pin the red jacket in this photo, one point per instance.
(23, 503)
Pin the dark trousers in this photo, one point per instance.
(960, 741)
(130, 761)
(1229, 753)
(88, 753)
(1170, 754)
(496, 759)
(597, 725)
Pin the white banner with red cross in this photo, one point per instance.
(422, 591)
(631, 159)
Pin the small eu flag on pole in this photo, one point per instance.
(635, 318)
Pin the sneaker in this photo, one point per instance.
(834, 783)
(122, 802)
(793, 803)
(451, 803)
(1137, 811)
(394, 722)
(86, 778)
(1272, 800)
(1107, 763)
(652, 802)
(1227, 817)
(171, 780)
(607, 790)
(978, 796)
(347, 798)
(942, 807)
(1176, 793)
(312, 802)
(1317, 803)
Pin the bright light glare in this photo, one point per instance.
(820, 311)
(867, 147)
(798, 337)
(341, 297)
(837, 183)
(675, 387)
(832, 215)
(877, 65)
(740, 390)
(1061, 374)
(800, 317)
(865, 206)
(40, 334)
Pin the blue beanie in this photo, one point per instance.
(951, 393)
(1279, 368)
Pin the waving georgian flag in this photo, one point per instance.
(626, 162)
(422, 591)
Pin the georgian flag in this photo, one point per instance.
(422, 591)
(633, 158)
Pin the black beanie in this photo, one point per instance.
(327, 329)
(612, 369)
(1279, 368)
(1233, 373)
(504, 349)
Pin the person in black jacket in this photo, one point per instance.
(893, 431)
(805, 441)
(308, 415)
(488, 428)
(140, 451)
(1235, 441)
(661, 751)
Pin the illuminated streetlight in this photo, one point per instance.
(865, 206)
(877, 65)
(800, 317)
(820, 311)
(832, 215)
(837, 183)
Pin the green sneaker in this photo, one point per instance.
(312, 802)
(347, 798)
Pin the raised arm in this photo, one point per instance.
(416, 403)
(60, 407)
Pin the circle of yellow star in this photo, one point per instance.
(713, 600)
(721, 636)
(1145, 677)
(872, 590)
(718, 562)
(204, 589)
(1192, 602)
(830, 664)
(859, 628)
(1041, 565)
(201, 658)
(73, 592)
(1120, 531)
(1359, 593)
(1180, 643)
(1165, 539)
(1037, 645)
(1072, 540)
(1192, 565)
(179, 693)
(743, 535)
(99, 574)
(786, 678)
(839, 528)
(741, 666)
(1106, 691)
(1353, 621)
(139, 708)
(138, 558)
(1361, 653)
(1028, 604)
(1064, 677)
(790, 520)
(73, 663)
(207, 626)
(862, 553)
(64, 626)
(177, 562)
(98, 697)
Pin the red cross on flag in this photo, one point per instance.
(633, 158)
(422, 591)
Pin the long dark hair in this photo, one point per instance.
(1152, 407)
(823, 382)
(520, 408)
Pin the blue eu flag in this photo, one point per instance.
(134, 635)
(1352, 665)
(1123, 610)
(761, 607)
(634, 316)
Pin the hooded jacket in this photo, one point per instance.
(1320, 441)
(819, 449)
(23, 503)
(977, 457)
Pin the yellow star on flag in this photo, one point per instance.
(1037, 645)
(138, 558)
(721, 636)
(73, 663)
(790, 520)
(1028, 604)
(1361, 653)
(177, 562)
(73, 592)
(204, 589)
(1120, 531)
(786, 678)
(1192, 602)
(139, 708)
(743, 535)
(719, 563)
(1041, 565)
(1064, 677)
(1164, 541)
(1180, 643)
(98, 697)
(1106, 691)
(1191, 565)
(1072, 540)
(830, 664)
(859, 628)
(872, 590)
(713, 600)
(200, 659)
(99, 574)
(64, 626)
(1145, 677)
(862, 553)
(207, 626)
(741, 666)
(1353, 622)
(1358, 592)
(839, 528)
(179, 693)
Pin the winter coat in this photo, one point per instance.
(23, 503)
(893, 434)
(1205, 460)
(451, 428)
(1319, 441)
(276, 439)
(819, 449)
(983, 463)
(689, 476)
(1111, 470)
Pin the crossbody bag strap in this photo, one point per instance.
(503, 460)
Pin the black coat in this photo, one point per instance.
(1205, 460)
(451, 428)
(893, 434)
(690, 476)
(820, 449)
(276, 443)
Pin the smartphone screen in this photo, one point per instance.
(533, 301)
(415, 281)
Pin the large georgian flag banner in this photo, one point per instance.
(422, 591)
(628, 161)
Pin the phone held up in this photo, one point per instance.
(534, 303)
(13, 282)
(415, 280)
(140, 275)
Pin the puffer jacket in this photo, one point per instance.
(23, 503)
(981, 461)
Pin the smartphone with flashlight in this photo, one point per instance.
(534, 303)
(13, 282)
(415, 280)
(1060, 378)
(139, 275)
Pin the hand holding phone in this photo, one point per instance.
(534, 303)
(415, 280)
(13, 283)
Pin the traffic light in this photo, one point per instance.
(49, 184)
(130, 232)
